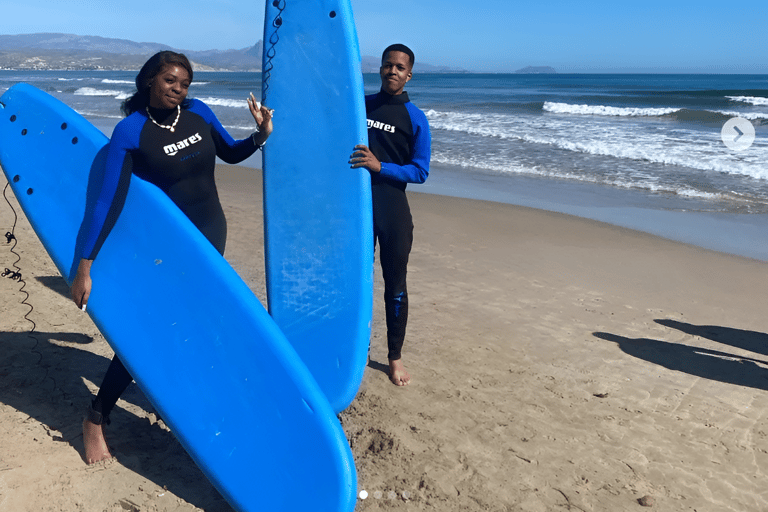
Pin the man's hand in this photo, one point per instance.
(363, 157)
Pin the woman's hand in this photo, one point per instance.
(263, 117)
(81, 285)
(364, 157)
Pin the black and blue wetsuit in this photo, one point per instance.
(398, 135)
(182, 164)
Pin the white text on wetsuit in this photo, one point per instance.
(172, 149)
(381, 126)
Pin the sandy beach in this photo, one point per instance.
(558, 363)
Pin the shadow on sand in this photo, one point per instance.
(43, 375)
(703, 362)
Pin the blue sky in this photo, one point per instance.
(492, 35)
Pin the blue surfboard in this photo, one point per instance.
(317, 211)
(198, 342)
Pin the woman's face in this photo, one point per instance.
(169, 87)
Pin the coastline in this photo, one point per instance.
(686, 220)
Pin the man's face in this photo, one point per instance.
(395, 72)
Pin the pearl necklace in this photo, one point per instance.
(171, 127)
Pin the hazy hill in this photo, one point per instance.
(73, 52)
(73, 42)
(68, 51)
(537, 70)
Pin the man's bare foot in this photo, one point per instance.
(397, 373)
(95, 445)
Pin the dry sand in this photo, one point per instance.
(557, 363)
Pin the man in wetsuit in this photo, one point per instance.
(398, 153)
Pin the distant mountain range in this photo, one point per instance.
(536, 70)
(73, 52)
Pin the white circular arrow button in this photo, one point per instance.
(738, 134)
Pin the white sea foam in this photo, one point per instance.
(87, 113)
(752, 100)
(231, 127)
(601, 110)
(109, 81)
(752, 116)
(90, 91)
(691, 149)
(224, 102)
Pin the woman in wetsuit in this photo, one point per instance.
(172, 142)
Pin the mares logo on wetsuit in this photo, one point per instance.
(381, 126)
(172, 149)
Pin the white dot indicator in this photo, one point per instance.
(363, 494)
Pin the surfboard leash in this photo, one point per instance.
(10, 237)
(15, 275)
(266, 73)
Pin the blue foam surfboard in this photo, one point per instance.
(317, 211)
(198, 342)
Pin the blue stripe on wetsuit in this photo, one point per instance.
(181, 163)
(399, 137)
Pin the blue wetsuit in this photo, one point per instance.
(398, 135)
(182, 164)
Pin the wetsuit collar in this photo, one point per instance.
(393, 100)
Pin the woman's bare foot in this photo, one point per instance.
(95, 445)
(397, 373)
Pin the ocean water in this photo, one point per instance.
(643, 151)
(654, 133)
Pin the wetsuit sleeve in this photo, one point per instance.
(228, 149)
(113, 189)
(417, 169)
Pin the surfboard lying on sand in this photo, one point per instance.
(198, 342)
(317, 211)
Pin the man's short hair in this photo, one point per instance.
(399, 48)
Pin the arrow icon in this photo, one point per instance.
(740, 133)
